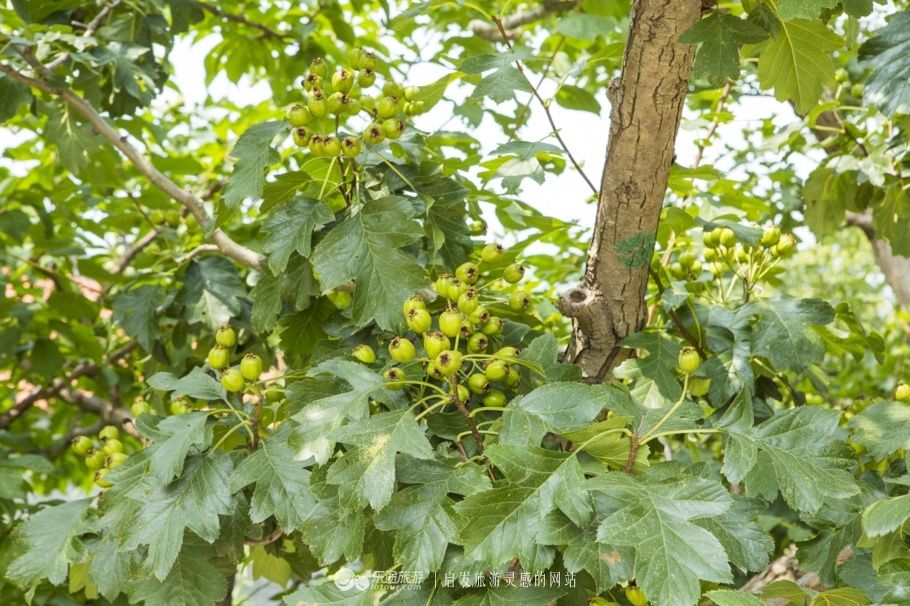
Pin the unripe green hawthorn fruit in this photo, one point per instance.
(519, 301)
(466, 331)
(179, 407)
(364, 353)
(301, 136)
(468, 272)
(413, 302)
(902, 393)
(387, 107)
(636, 596)
(217, 357)
(468, 301)
(479, 383)
(335, 103)
(232, 379)
(392, 89)
(599, 601)
(456, 289)
(478, 343)
(841, 75)
(332, 146)
(274, 394)
(507, 353)
(712, 238)
(442, 283)
(139, 408)
(366, 78)
(313, 82)
(81, 445)
(415, 108)
(494, 326)
(318, 67)
(450, 322)
(497, 370)
(857, 91)
(435, 343)
(342, 299)
(491, 253)
(741, 254)
(411, 92)
(512, 379)
(350, 146)
(433, 371)
(689, 360)
(374, 134)
(317, 104)
(419, 320)
(402, 350)
(394, 376)
(94, 459)
(699, 386)
(109, 432)
(251, 367)
(514, 273)
(298, 115)
(116, 459)
(727, 237)
(368, 104)
(463, 394)
(367, 61)
(111, 446)
(494, 399)
(686, 259)
(351, 105)
(770, 236)
(448, 362)
(173, 217)
(477, 227)
(786, 246)
(100, 478)
(392, 127)
(696, 268)
(355, 55)
(317, 145)
(342, 80)
(710, 255)
(479, 316)
(226, 337)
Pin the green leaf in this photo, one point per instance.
(193, 581)
(512, 595)
(784, 334)
(657, 520)
(746, 543)
(366, 248)
(797, 62)
(303, 331)
(788, 10)
(198, 385)
(857, 8)
(51, 537)
(273, 568)
(12, 96)
(282, 484)
(607, 564)
(212, 291)
(267, 304)
(290, 228)
(174, 436)
(329, 594)
(573, 97)
(254, 154)
(882, 428)
(726, 597)
(585, 26)
(501, 85)
(554, 408)
(543, 353)
(843, 596)
(886, 515)
(654, 380)
(720, 35)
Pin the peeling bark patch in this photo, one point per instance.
(635, 251)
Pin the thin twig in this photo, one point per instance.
(267, 31)
(267, 539)
(90, 30)
(545, 106)
(513, 22)
(712, 127)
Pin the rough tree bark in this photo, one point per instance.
(647, 102)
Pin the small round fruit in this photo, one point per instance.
(367, 61)
(710, 255)
(770, 236)
(902, 393)
(331, 146)
(699, 386)
(354, 56)
(392, 89)
(689, 360)
(251, 367)
(413, 302)
(477, 227)
(478, 343)
(81, 445)
(109, 432)
(497, 370)
(442, 284)
(313, 82)
(507, 353)
(342, 80)
(456, 289)
(302, 136)
(350, 146)
(468, 272)
(727, 237)
(450, 322)
(179, 407)
(232, 379)
(414, 108)
(94, 459)
(479, 316)
(351, 105)
(435, 343)
(274, 394)
(318, 67)
(411, 92)
(491, 253)
(116, 459)
(686, 259)
(494, 399)
(479, 383)
(786, 246)
(514, 273)
(519, 301)
(467, 330)
(468, 301)
(512, 379)
(317, 145)
(100, 478)
(463, 394)
(394, 376)
(696, 268)
(402, 350)
(374, 134)
(393, 127)
(336, 103)
(494, 326)
(217, 357)
(419, 320)
(366, 78)
(448, 362)
(299, 115)
(368, 104)
(711, 238)
(226, 337)
(317, 104)
(636, 596)
(434, 372)
(364, 353)
(387, 106)
(677, 271)
(342, 299)
(111, 446)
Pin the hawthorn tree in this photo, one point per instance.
(275, 347)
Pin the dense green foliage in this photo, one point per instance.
(304, 417)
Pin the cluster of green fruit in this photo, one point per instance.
(101, 455)
(635, 596)
(347, 99)
(456, 350)
(233, 378)
(902, 393)
(723, 250)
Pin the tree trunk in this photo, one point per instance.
(646, 106)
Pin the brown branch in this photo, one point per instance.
(467, 415)
(267, 539)
(266, 30)
(45, 393)
(191, 202)
(131, 252)
(513, 23)
(110, 413)
(544, 105)
(633, 453)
